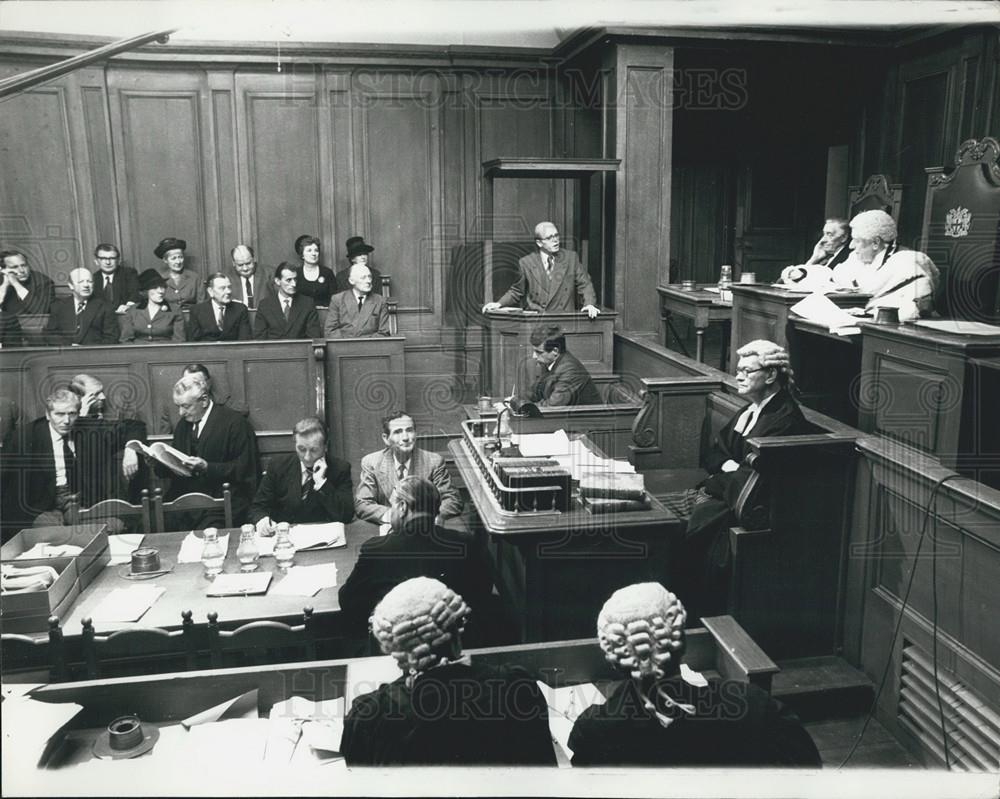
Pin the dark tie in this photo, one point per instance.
(69, 459)
(361, 301)
(194, 437)
(107, 282)
(307, 486)
(80, 305)
(401, 471)
(248, 292)
(284, 308)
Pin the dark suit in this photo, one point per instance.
(41, 293)
(279, 494)
(263, 287)
(124, 287)
(420, 549)
(96, 325)
(566, 383)
(30, 471)
(344, 320)
(11, 334)
(840, 255)
(536, 291)
(302, 321)
(344, 284)
(235, 323)
(229, 446)
(100, 445)
(138, 328)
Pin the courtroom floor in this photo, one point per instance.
(878, 749)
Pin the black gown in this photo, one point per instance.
(735, 724)
(455, 714)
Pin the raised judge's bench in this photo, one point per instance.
(509, 366)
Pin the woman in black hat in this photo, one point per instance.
(152, 321)
(357, 253)
(182, 286)
(314, 279)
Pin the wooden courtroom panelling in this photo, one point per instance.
(229, 201)
(280, 164)
(956, 555)
(636, 357)
(397, 123)
(364, 380)
(35, 216)
(99, 167)
(161, 143)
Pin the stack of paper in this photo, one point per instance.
(818, 308)
(307, 580)
(46, 550)
(537, 445)
(239, 584)
(308, 536)
(319, 724)
(127, 604)
(192, 546)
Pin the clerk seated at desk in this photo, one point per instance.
(415, 547)
(549, 280)
(562, 379)
(307, 487)
(444, 709)
(764, 377)
(659, 717)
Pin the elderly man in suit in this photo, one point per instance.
(223, 446)
(24, 291)
(41, 473)
(550, 279)
(309, 486)
(562, 379)
(382, 470)
(117, 285)
(286, 313)
(358, 312)
(81, 318)
(250, 284)
(219, 318)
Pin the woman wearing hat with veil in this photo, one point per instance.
(182, 287)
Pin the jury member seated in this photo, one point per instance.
(117, 285)
(219, 318)
(830, 265)
(250, 284)
(286, 313)
(81, 318)
(224, 449)
(358, 252)
(307, 487)
(358, 312)
(183, 285)
(316, 282)
(444, 709)
(108, 470)
(415, 546)
(152, 320)
(562, 380)
(895, 277)
(401, 457)
(660, 716)
(764, 378)
(549, 279)
(23, 290)
(39, 468)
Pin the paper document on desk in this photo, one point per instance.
(127, 604)
(536, 445)
(45, 550)
(122, 546)
(319, 725)
(243, 706)
(239, 584)
(821, 310)
(27, 726)
(328, 535)
(306, 580)
(192, 545)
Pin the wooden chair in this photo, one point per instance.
(878, 194)
(192, 502)
(35, 659)
(261, 642)
(111, 509)
(140, 650)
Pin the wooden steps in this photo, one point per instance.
(823, 688)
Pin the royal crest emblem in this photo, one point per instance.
(957, 222)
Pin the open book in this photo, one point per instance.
(173, 459)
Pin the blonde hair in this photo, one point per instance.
(641, 630)
(415, 620)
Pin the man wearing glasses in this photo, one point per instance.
(549, 279)
(117, 285)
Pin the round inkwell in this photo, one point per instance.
(125, 737)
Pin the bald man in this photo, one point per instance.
(81, 318)
(250, 284)
(358, 312)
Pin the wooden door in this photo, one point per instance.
(769, 233)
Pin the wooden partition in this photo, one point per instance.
(949, 546)
(365, 379)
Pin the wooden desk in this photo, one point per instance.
(555, 571)
(827, 369)
(762, 312)
(186, 585)
(704, 308)
(507, 357)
